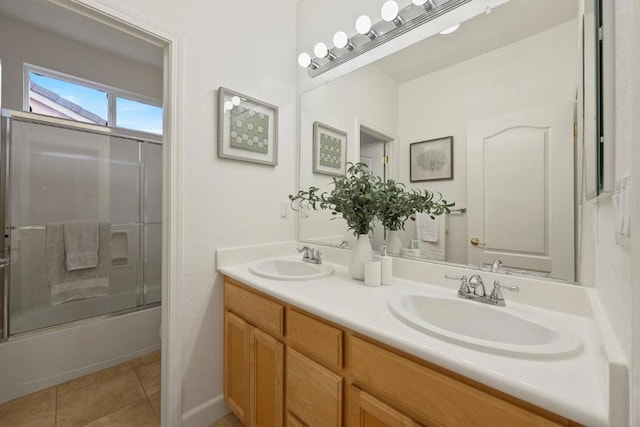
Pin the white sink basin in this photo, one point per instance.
(286, 269)
(500, 329)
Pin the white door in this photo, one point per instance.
(520, 191)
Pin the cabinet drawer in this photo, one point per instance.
(265, 314)
(431, 395)
(314, 394)
(319, 340)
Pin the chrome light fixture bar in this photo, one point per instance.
(332, 59)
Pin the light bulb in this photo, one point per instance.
(304, 60)
(390, 10)
(340, 40)
(320, 50)
(228, 106)
(235, 100)
(363, 25)
(450, 29)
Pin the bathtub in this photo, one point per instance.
(46, 358)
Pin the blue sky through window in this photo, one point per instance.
(138, 116)
(92, 100)
(130, 114)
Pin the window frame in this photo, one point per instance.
(112, 92)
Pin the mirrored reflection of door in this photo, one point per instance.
(374, 152)
(520, 191)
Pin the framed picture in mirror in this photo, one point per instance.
(247, 128)
(431, 160)
(329, 150)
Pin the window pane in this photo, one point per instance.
(138, 116)
(59, 98)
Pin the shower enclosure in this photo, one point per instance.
(56, 170)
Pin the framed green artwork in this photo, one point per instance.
(247, 128)
(329, 150)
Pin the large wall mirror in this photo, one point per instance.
(506, 87)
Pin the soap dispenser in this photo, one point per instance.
(386, 267)
(413, 250)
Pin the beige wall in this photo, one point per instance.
(23, 43)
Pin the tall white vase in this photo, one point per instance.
(394, 245)
(360, 253)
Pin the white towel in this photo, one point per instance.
(65, 285)
(429, 228)
(81, 244)
(436, 250)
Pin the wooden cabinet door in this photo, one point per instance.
(266, 365)
(236, 362)
(294, 422)
(314, 394)
(364, 410)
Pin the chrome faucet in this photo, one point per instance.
(472, 288)
(476, 283)
(496, 266)
(314, 256)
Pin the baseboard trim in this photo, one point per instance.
(206, 414)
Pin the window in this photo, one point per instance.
(60, 95)
(136, 115)
(59, 98)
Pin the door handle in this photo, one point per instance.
(4, 262)
(475, 242)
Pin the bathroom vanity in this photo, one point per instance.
(284, 365)
(329, 352)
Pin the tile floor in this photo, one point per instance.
(124, 395)
(228, 421)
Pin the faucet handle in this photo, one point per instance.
(476, 283)
(496, 293)
(317, 256)
(464, 284)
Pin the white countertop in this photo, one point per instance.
(569, 386)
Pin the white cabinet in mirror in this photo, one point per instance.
(504, 87)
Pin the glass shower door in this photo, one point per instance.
(57, 175)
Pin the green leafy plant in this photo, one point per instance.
(361, 197)
(354, 196)
(397, 204)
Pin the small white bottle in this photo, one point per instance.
(372, 272)
(386, 267)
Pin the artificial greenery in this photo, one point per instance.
(397, 204)
(361, 197)
(355, 196)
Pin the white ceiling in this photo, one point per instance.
(506, 24)
(74, 26)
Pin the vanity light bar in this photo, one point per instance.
(333, 59)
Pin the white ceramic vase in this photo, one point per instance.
(360, 253)
(394, 245)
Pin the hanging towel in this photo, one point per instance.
(437, 249)
(65, 285)
(81, 244)
(429, 228)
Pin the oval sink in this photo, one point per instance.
(500, 329)
(284, 269)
